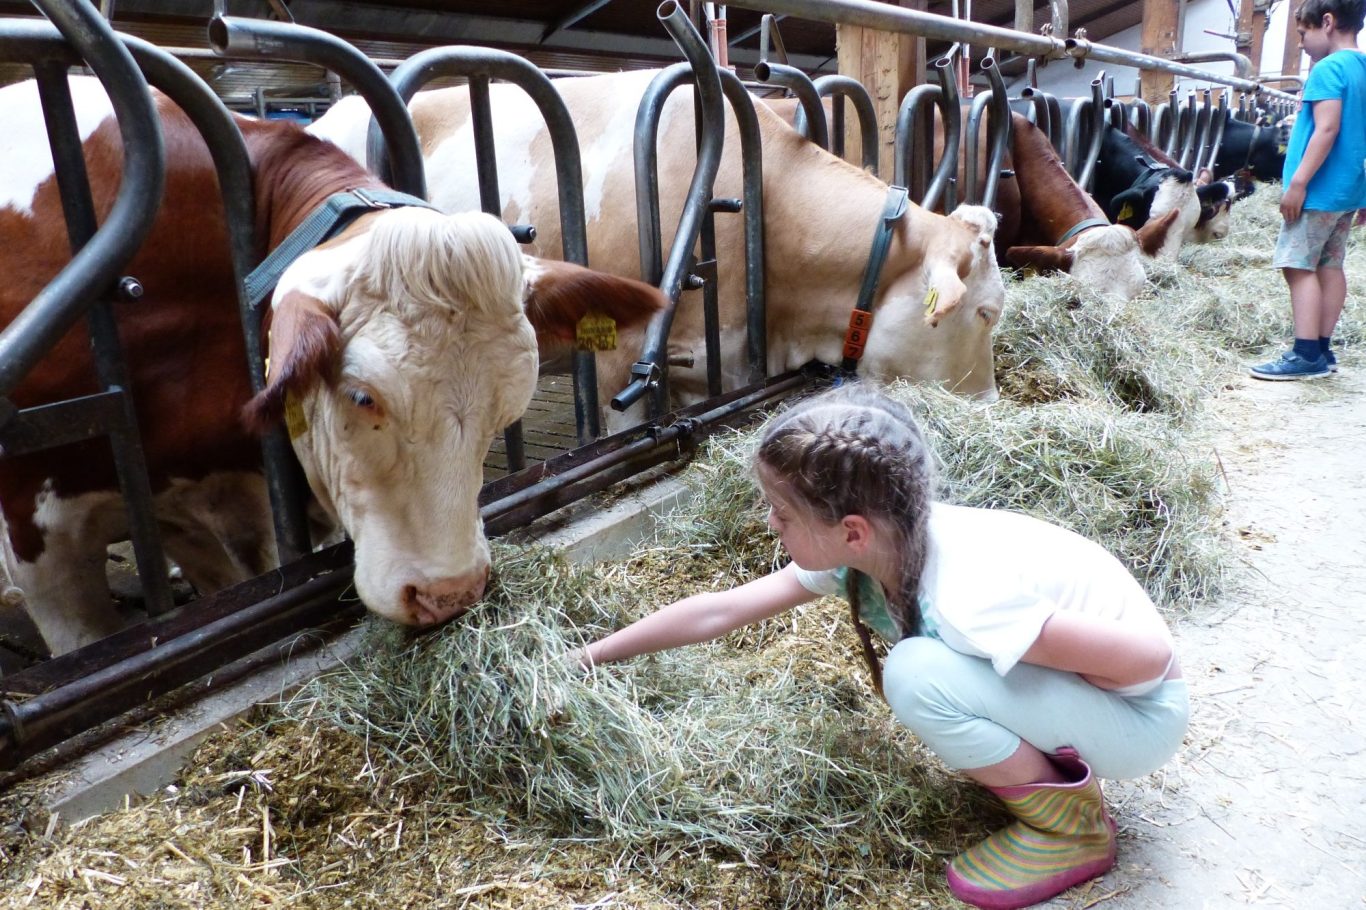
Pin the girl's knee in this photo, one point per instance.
(916, 678)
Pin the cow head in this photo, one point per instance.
(1147, 202)
(397, 351)
(1216, 203)
(1108, 259)
(934, 323)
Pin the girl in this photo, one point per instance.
(1023, 654)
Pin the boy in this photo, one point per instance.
(1325, 182)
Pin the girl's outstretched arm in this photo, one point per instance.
(701, 617)
(1108, 653)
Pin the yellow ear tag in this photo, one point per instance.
(1125, 213)
(931, 301)
(1280, 149)
(295, 421)
(596, 332)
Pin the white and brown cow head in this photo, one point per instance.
(935, 322)
(397, 352)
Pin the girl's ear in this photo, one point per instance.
(857, 531)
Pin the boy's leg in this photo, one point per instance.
(1333, 282)
(1306, 307)
(1298, 251)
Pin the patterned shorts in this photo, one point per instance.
(1315, 240)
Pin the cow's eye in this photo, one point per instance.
(361, 398)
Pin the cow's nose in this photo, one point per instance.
(434, 602)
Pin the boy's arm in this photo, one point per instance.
(701, 617)
(1327, 122)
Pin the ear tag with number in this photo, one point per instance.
(931, 301)
(596, 332)
(295, 421)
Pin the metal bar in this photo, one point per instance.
(800, 84)
(52, 313)
(1242, 64)
(838, 87)
(752, 172)
(426, 66)
(47, 426)
(649, 371)
(914, 151)
(573, 17)
(871, 14)
(278, 41)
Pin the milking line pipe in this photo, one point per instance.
(285, 41)
(649, 371)
(872, 14)
(489, 63)
(97, 266)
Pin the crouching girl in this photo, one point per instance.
(1024, 655)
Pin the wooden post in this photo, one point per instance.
(888, 64)
(1250, 31)
(1292, 53)
(1162, 21)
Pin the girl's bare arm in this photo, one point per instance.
(701, 617)
(1110, 654)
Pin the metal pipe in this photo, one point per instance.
(837, 88)
(279, 41)
(649, 371)
(752, 178)
(998, 138)
(800, 84)
(37, 328)
(489, 63)
(1242, 64)
(914, 151)
(1080, 48)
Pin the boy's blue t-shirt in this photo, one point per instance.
(1339, 185)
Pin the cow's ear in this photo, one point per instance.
(1153, 235)
(305, 342)
(1213, 193)
(1243, 184)
(559, 294)
(1041, 258)
(1132, 206)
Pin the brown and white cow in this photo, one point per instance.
(819, 217)
(400, 346)
(1052, 207)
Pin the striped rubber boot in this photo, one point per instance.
(1063, 837)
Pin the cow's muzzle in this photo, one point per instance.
(439, 601)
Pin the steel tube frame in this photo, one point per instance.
(871, 14)
(799, 84)
(651, 371)
(998, 137)
(913, 157)
(838, 88)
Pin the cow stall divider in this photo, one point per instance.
(46, 704)
(930, 183)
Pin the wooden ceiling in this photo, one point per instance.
(578, 35)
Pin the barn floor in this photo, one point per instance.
(548, 429)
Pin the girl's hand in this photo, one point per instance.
(578, 659)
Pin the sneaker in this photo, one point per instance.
(1332, 360)
(1291, 366)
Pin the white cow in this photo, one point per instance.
(819, 218)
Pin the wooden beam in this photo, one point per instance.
(1162, 20)
(1291, 53)
(888, 64)
(1250, 30)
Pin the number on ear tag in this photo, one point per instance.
(596, 332)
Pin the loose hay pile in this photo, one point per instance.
(474, 768)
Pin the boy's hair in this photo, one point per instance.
(1348, 14)
(855, 451)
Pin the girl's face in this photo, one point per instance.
(812, 544)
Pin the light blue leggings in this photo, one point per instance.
(971, 717)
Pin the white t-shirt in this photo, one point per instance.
(992, 578)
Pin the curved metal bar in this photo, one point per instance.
(914, 150)
(801, 85)
(261, 39)
(1097, 135)
(837, 88)
(1074, 134)
(1216, 141)
(752, 169)
(998, 137)
(480, 64)
(94, 269)
(1039, 112)
(1190, 132)
(1202, 133)
(649, 371)
(1242, 64)
(1184, 135)
(1141, 115)
(1160, 127)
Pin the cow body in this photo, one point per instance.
(820, 214)
(1257, 148)
(399, 348)
(1215, 197)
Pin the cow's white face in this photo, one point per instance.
(1109, 260)
(936, 321)
(435, 356)
(1175, 194)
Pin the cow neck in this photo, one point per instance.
(894, 209)
(1049, 197)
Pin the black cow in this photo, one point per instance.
(1256, 148)
(1216, 197)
